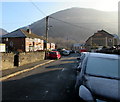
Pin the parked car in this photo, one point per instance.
(80, 60)
(54, 50)
(98, 79)
(54, 55)
(83, 50)
(65, 52)
(72, 51)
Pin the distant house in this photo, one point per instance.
(52, 46)
(100, 39)
(23, 40)
(48, 46)
(78, 46)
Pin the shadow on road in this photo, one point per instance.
(43, 86)
(55, 82)
(67, 65)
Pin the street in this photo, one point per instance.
(54, 81)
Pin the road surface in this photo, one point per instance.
(54, 81)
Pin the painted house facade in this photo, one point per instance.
(52, 46)
(100, 39)
(23, 40)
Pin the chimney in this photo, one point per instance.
(29, 30)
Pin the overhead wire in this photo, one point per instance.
(59, 19)
(38, 8)
(71, 24)
(56, 18)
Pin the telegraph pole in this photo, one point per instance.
(46, 36)
(47, 28)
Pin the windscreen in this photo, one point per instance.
(102, 66)
(52, 52)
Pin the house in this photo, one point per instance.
(23, 40)
(101, 39)
(78, 46)
(52, 46)
(48, 46)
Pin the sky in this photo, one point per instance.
(19, 13)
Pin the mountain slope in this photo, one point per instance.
(3, 32)
(82, 24)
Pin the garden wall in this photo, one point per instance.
(7, 59)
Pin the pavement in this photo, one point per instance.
(20, 69)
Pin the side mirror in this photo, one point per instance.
(85, 94)
(78, 69)
(78, 58)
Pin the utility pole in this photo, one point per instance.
(46, 36)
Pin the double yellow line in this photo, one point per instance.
(23, 71)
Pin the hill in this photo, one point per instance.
(82, 23)
(3, 32)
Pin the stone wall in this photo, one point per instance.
(31, 57)
(7, 59)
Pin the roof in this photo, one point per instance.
(16, 33)
(20, 33)
(104, 32)
(102, 55)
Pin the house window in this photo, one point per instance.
(6, 39)
(11, 43)
(110, 40)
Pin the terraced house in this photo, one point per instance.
(23, 40)
(101, 39)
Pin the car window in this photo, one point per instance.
(102, 66)
(52, 52)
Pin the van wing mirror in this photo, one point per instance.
(78, 58)
(78, 69)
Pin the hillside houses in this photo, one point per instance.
(23, 40)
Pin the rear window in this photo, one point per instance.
(52, 52)
(102, 66)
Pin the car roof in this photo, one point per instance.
(85, 52)
(53, 51)
(103, 55)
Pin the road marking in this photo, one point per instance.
(23, 71)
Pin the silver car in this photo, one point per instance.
(66, 52)
(99, 78)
